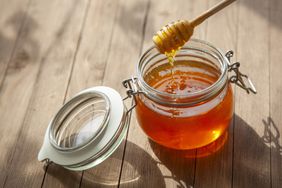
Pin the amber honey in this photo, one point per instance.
(185, 125)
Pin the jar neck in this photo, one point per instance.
(195, 50)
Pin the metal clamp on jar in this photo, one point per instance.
(90, 126)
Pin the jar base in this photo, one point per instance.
(198, 152)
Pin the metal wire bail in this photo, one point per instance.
(239, 79)
(131, 91)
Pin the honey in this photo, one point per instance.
(173, 36)
(184, 126)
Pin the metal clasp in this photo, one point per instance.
(239, 79)
(131, 86)
(131, 91)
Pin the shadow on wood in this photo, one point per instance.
(178, 161)
(135, 176)
(28, 50)
(101, 176)
(271, 135)
(19, 50)
(274, 6)
(63, 175)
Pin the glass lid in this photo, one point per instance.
(80, 121)
(86, 130)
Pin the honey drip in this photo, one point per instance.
(176, 34)
(173, 36)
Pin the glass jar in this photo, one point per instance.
(201, 106)
(193, 111)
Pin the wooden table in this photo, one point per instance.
(51, 49)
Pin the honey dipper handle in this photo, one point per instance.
(211, 12)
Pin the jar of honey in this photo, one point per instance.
(184, 105)
(188, 104)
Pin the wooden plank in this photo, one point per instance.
(251, 155)
(145, 163)
(92, 56)
(273, 126)
(12, 16)
(123, 53)
(216, 170)
(35, 86)
(88, 71)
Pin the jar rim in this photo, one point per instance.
(65, 112)
(205, 93)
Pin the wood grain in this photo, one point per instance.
(273, 125)
(88, 71)
(93, 52)
(11, 26)
(36, 83)
(122, 55)
(157, 166)
(216, 170)
(251, 154)
(51, 49)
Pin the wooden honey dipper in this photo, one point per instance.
(174, 35)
